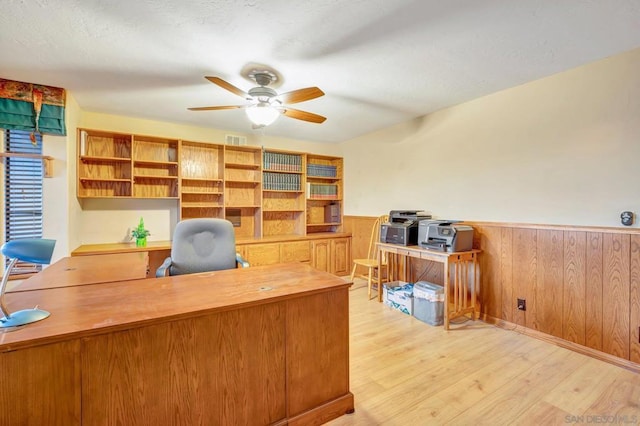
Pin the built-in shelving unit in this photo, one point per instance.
(201, 180)
(283, 193)
(104, 164)
(323, 193)
(242, 189)
(265, 193)
(155, 167)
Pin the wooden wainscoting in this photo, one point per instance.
(581, 284)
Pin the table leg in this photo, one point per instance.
(380, 255)
(446, 294)
(475, 282)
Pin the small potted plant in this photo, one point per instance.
(140, 234)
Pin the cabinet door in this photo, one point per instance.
(262, 254)
(320, 256)
(295, 251)
(340, 256)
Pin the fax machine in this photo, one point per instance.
(445, 235)
(402, 227)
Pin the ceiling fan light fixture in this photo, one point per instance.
(262, 114)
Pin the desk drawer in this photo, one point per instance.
(262, 254)
(408, 252)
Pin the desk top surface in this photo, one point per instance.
(83, 270)
(91, 249)
(425, 253)
(86, 310)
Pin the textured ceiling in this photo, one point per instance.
(379, 62)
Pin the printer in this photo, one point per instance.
(402, 227)
(445, 235)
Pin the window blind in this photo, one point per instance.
(23, 191)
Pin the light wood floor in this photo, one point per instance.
(406, 372)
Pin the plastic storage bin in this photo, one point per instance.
(399, 295)
(428, 302)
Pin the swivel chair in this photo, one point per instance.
(32, 250)
(202, 245)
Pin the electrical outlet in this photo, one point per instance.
(522, 304)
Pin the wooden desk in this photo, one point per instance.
(157, 251)
(261, 345)
(83, 270)
(91, 249)
(464, 278)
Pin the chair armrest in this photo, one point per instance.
(241, 262)
(162, 269)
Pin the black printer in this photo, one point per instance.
(402, 227)
(445, 235)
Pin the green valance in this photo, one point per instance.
(32, 107)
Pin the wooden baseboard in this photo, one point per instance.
(324, 413)
(593, 353)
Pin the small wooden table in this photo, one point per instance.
(465, 277)
(83, 270)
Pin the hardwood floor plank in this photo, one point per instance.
(480, 383)
(543, 413)
(583, 387)
(521, 393)
(405, 372)
(618, 400)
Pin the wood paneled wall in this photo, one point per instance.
(581, 284)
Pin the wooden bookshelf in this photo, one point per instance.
(265, 193)
(243, 189)
(283, 193)
(201, 180)
(323, 193)
(155, 167)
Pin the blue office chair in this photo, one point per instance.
(202, 245)
(32, 250)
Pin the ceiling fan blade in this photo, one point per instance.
(303, 115)
(228, 86)
(301, 95)
(213, 108)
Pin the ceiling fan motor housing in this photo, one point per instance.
(263, 77)
(262, 93)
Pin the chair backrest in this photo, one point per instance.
(372, 253)
(201, 245)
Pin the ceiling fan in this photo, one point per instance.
(265, 104)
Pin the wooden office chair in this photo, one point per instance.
(371, 262)
(202, 245)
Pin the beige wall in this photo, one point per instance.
(60, 208)
(560, 150)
